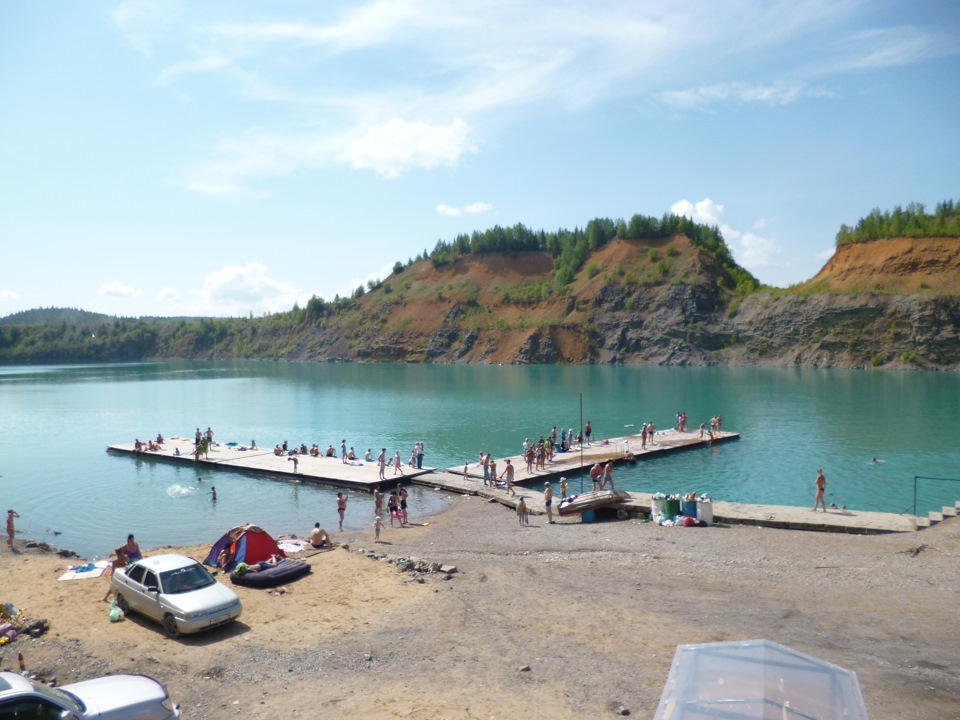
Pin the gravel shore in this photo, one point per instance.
(562, 621)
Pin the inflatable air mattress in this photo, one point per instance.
(283, 572)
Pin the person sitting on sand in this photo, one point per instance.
(159, 439)
(319, 537)
(119, 562)
(132, 549)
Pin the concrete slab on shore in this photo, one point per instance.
(328, 470)
(568, 463)
(776, 516)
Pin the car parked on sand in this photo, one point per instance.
(177, 592)
(115, 697)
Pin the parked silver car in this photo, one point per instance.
(115, 697)
(176, 591)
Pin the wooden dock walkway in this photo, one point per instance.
(364, 476)
(356, 474)
(616, 449)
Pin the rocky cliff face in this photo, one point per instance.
(643, 302)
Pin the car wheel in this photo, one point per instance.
(170, 626)
(123, 604)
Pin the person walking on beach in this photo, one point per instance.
(11, 530)
(821, 483)
(377, 524)
(392, 506)
(522, 511)
(382, 461)
(341, 508)
(548, 501)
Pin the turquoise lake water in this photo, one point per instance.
(56, 422)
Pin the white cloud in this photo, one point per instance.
(750, 250)
(199, 65)
(239, 289)
(739, 92)
(826, 254)
(115, 288)
(398, 146)
(9, 295)
(471, 209)
(166, 294)
(348, 290)
(448, 211)
(477, 208)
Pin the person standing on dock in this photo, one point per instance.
(396, 462)
(343, 451)
(485, 462)
(341, 508)
(821, 483)
(587, 432)
(508, 472)
(382, 462)
(548, 501)
(420, 455)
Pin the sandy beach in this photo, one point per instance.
(557, 621)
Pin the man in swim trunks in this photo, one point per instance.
(319, 537)
(595, 472)
(548, 501)
(508, 472)
(377, 500)
(382, 461)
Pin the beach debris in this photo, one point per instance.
(914, 551)
(524, 668)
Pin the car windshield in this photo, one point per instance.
(61, 697)
(181, 580)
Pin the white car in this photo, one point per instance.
(115, 697)
(177, 592)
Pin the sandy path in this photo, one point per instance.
(595, 612)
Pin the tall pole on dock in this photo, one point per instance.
(581, 443)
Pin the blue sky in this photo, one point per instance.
(226, 158)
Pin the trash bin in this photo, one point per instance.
(705, 512)
(671, 508)
(690, 508)
(656, 507)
